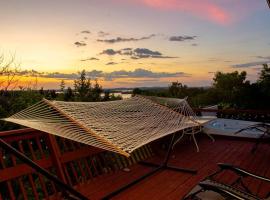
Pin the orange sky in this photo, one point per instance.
(135, 43)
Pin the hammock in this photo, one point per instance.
(119, 126)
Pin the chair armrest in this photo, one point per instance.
(241, 172)
(226, 190)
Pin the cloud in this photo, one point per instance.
(111, 63)
(251, 64)
(110, 52)
(60, 75)
(80, 44)
(89, 59)
(263, 57)
(213, 59)
(209, 10)
(146, 52)
(86, 32)
(95, 74)
(137, 73)
(141, 73)
(103, 34)
(28, 73)
(194, 45)
(181, 38)
(137, 53)
(120, 39)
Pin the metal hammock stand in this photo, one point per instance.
(118, 126)
(157, 168)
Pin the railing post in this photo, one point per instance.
(56, 154)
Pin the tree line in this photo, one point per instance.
(229, 90)
(12, 101)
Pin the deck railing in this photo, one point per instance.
(73, 163)
(241, 114)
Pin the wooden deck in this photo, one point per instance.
(172, 185)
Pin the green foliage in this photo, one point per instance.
(115, 97)
(230, 87)
(83, 86)
(178, 90)
(62, 85)
(263, 86)
(136, 91)
(86, 92)
(229, 90)
(69, 95)
(13, 102)
(265, 75)
(106, 95)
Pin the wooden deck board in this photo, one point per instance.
(174, 185)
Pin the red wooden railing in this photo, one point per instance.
(72, 162)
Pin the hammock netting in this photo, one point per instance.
(119, 126)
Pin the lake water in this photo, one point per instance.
(123, 95)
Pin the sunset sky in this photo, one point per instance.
(131, 43)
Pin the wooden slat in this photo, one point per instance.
(22, 169)
(30, 177)
(168, 185)
(80, 153)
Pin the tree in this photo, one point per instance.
(69, 95)
(41, 91)
(178, 90)
(85, 90)
(263, 86)
(83, 86)
(96, 91)
(264, 75)
(229, 86)
(106, 95)
(136, 91)
(9, 71)
(62, 85)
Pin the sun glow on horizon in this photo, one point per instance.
(182, 40)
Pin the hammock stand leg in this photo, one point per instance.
(157, 167)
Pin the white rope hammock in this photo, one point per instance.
(119, 126)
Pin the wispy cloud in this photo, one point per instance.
(251, 64)
(137, 73)
(86, 32)
(263, 57)
(103, 34)
(137, 53)
(110, 52)
(80, 44)
(121, 39)
(89, 59)
(140, 73)
(182, 38)
(111, 63)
